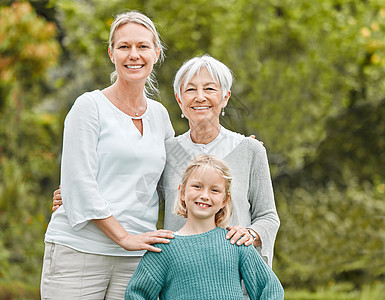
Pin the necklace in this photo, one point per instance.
(136, 111)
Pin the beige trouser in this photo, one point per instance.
(70, 274)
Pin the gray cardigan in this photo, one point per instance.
(252, 191)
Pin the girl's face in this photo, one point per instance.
(133, 52)
(202, 99)
(205, 194)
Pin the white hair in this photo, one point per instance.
(218, 71)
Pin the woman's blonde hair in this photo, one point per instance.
(223, 216)
(140, 19)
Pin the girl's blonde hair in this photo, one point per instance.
(140, 19)
(223, 216)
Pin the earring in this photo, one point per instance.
(182, 115)
(223, 112)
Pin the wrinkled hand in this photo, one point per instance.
(144, 241)
(56, 200)
(239, 235)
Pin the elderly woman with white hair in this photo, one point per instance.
(202, 89)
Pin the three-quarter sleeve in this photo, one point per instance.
(264, 217)
(260, 281)
(82, 200)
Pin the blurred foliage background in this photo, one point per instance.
(309, 83)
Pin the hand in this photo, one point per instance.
(56, 200)
(144, 241)
(115, 231)
(257, 238)
(240, 235)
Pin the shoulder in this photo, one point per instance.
(179, 139)
(244, 142)
(219, 241)
(221, 232)
(252, 147)
(172, 143)
(248, 252)
(89, 97)
(160, 257)
(173, 140)
(218, 236)
(253, 144)
(86, 104)
(157, 106)
(232, 134)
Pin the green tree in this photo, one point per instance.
(309, 82)
(28, 48)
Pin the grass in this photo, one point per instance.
(375, 291)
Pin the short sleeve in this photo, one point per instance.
(82, 200)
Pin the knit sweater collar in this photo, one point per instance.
(200, 235)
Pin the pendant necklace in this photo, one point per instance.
(136, 111)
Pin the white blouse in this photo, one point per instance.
(108, 169)
(221, 146)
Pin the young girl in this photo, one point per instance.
(199, 263)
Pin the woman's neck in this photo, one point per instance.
(192, 227)
(204, 133)
(130, 93)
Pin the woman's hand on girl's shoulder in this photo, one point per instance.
(238, 234)
(146, 240)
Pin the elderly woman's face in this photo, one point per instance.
(202, 99)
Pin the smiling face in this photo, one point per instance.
(202, 99)
(204, 194)
(133, 52)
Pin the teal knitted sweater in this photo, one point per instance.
(203, 266)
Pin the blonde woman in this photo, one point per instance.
(113, 156)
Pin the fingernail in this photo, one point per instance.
(227, 237)
(232, 242)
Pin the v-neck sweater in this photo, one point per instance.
(202, 267)
(252, 190)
